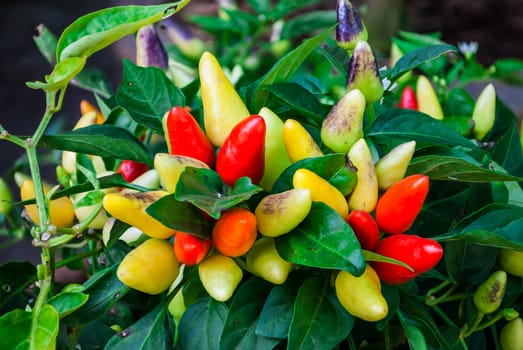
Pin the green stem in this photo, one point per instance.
(443, 315)
(76, 257)
(371, 114)
(466, 331)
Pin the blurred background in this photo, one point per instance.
(497, 26)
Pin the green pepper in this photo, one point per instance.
(6, 198)
(511, 261)
(489, 294)
(511, 336)
(363, 73)
(264, 261)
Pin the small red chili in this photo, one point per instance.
(408, 99)
(365, 228)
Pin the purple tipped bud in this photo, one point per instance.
(363, 73)
(350, 27)
(149, 49)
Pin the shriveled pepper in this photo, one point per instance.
(392, 167)
(350, 27)
(170, 167)
(264, 261)
(420, 253)
(321, 190)
(222, 106)
(484, 112)
(428, 102)
(365, 228)
(220, 276)
(489, 294)
(243, 151)
(399, 206)
(189, 248)
(363, 73)
(298, 142)
(343, 126)
(234, 232)
(185, 137)
(365, 194)
(408, 98)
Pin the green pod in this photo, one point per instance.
(264, 261)
(220, 275)
(6, 198)
(363, 73)
(511, 336)
(343, 126)
(489, 294)
(484, 112)
(511, 261)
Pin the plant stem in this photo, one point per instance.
(76, 257)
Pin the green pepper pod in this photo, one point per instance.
(484, 112)
(363, 73)
(489, 294)
(511, 336)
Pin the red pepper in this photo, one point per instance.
(243, 151)
(399, 206)
(185, 137)
(421, 254)
(190, 249)
(408, 99)
(365, 228)
(130, 169)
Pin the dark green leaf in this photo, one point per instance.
(67, 302)
(101, 140)
(391, 295)
(149, 332)
(15, 276)
(147, 94)
(302, 24)
(507, 151)
(93, 79)
(97, 30)
(414, 334)
(332, 167)
(205, 189)
(458, 102)
(242, 319)
(95, 335)
(463, 125)
(319, 320)
(284, 8)
(202, 324)
(259, 6)
(180, 216)
(324, 240)
(507, 69)
(468, 263)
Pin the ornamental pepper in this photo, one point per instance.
(298, 142)
(86, 107)
(408, 99)
(365, 194)
(421, 254)
(263, 260)
(350, 27)
(234, 232)
(511, 335)
(484, 112)
(511, 261)
(243, 151)
(222, 106)
(428, 102)
(189, 248)
(343, 125)
(170, 167)
(399, 206)
(130, 169)
(489, 294)
(363, 73)
(365, 228)
(6, 198)
(149, 49)
(220, 275)
(185, 137)
(392, 167)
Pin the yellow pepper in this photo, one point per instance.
(170, 167)
(428, 102)
(392, 167)
(365, 194)
(298, 142)
(220, 276)
(264, 261)
(484, 112)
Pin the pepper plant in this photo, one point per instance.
(267, 185)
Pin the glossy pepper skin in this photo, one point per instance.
(264, 261)
(222, 106)
(421, 254)
(298, 142)
(365, 194)
(408, 99)
(190, 249)
(243, 151)
(428, 102)
(6, 198)
(489, 294)
(484, 112)
(130, 169)
(511, 335)
(365, 228)
(392, 167)
(363, 73)
(350, 27)
(185, 137)
(511, 261)
(234, 232)
(399, 206)
(220, 276)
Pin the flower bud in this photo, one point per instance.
(350, 27)
(149, 49)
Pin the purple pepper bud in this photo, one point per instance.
(149, 49)
(350, 27)
(185, 41)
(363, 73)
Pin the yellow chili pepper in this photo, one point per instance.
(392, 167)
(484, 112)
(298, 142)
(170, 167)
(428, 102)
(365, 194)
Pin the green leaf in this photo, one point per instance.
(507, 69)
(468, 263)
(62, 73)
(323, 240)
(284, 69)
(404, 124)
(15, 276)
(332, 167)
(439, 167)
(46, 41)
(242, 319)
(149, 332)
(414, 334)
(202, 324)
(284, 8)
(319, 320)
(147, 94)
(180, 216)
(507, 151)
(97, 30)
(204, 188)
(304, 23)
(93, 79)
(67, 302)
(101, 140)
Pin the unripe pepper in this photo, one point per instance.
(234, 232)
(150, 268)
(511, 261)
(170, 167)
(363, 73)
(222, 106)
(220, 276)
(343, 126)
(61, 213)
(421, 254)
(484, 112)
(190, 249)
(87, 107)
(185, 137)
(361, 296)
(298, 142)
(489, 294)
(365, 228)
(279, 213)
(392, 167)
(130, 169)
(365, 194)
(321, 190)
(408, 98)
(350, 27)
(5, 198)
(399, 206)
(149, 49)
(511, 336)
(428, 102)
(264, 261)
(243, 151)
(276, 157)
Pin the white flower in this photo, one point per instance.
(468, 49)
(386, 82)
